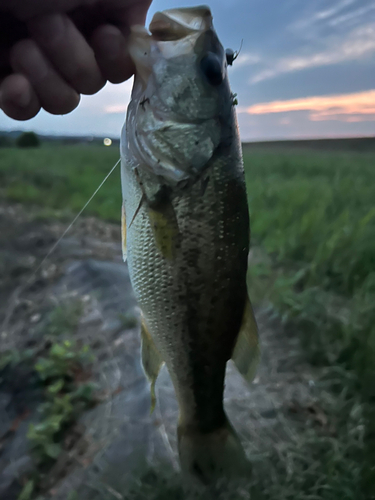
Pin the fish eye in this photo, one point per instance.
(212, 68)
(230, 55)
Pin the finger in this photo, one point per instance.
(137, 12)
(54, 94)
(68, 51)
(26, 10)
(18, 99)
(111, 53)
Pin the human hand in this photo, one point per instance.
(53, 51)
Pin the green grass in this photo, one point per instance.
(62, 178)
(318, 209)
(314, 216)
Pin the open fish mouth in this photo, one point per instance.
(175, 24)
(183, 26)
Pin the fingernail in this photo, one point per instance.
(49, 29)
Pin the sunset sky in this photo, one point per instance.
(306, 69)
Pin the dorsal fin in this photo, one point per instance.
(123, 233)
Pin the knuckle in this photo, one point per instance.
(21, 50)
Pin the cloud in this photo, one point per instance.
(325, 14)
(341, 15)
(246, 59)
(360, 43)
(116, 108)
(355, 107)
(352, 16)
(285, 121)
(112, 99)
(318, 117)
(321, 16)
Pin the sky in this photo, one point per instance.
(306, 70)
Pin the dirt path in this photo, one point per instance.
(119, 434)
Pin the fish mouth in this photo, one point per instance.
(171, 33)
(174, 24)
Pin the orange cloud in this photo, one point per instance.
(347, 107)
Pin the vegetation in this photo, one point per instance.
(62, 179)
(28, 140)
(313, 231)
(314, 216)
(351, 144)
(59, 370)
(62, 369)
(5, 142)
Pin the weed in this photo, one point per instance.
(64, 318)
(15, 357)
(27, 491)
(66, 398)
(64, 371)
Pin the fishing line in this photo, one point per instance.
(53, 248)
(19, 290)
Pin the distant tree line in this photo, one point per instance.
(5, 142)
(24, 140)
(28, 140)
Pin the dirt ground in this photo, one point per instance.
(114, 438)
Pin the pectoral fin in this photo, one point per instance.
(151, 360)
(123, 233)
(165, 228)
(246, 353)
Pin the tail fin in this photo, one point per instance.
(209, 458)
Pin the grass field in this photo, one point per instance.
(60, 179)
(313, 218)
(314, 215)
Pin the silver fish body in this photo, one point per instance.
(187, 229)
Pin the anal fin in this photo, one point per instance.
(123, 233)
(246, 353)
(151, 360)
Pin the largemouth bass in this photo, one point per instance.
(186, 229)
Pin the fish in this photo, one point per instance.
(186, 231)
